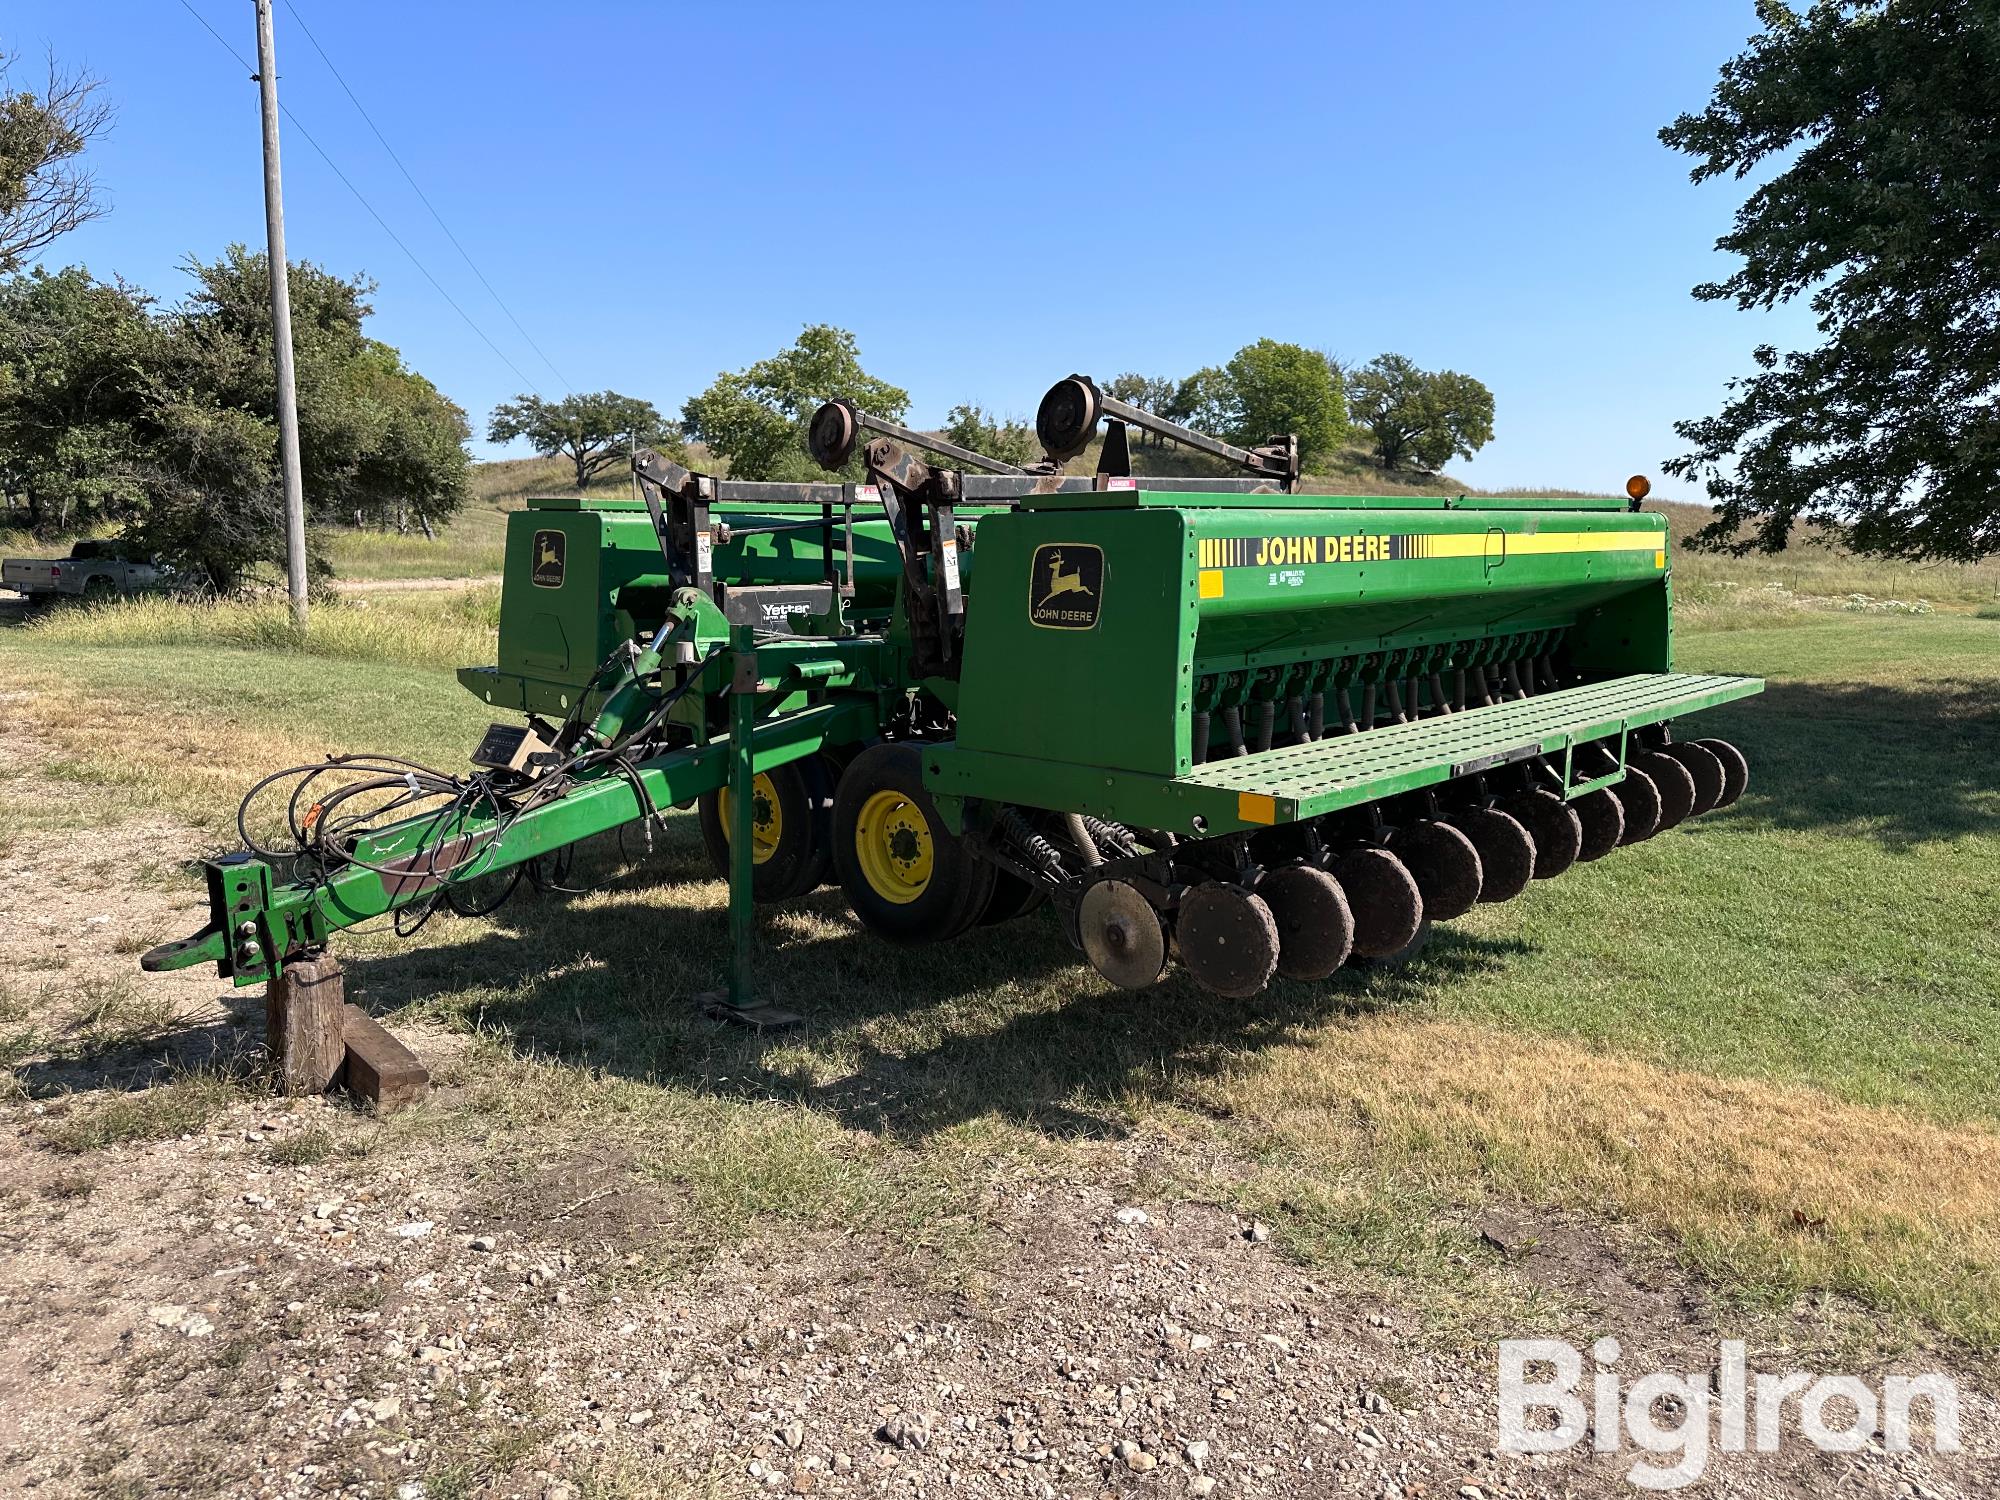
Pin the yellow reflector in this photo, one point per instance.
(1660, 559)
(1211, 583)
(1255, 807)
(1638, 486)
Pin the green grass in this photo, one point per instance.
(1768, 1039)
(184, 707)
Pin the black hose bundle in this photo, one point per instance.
(336, 804)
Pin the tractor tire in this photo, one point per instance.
(909, 879)
(1012, 897)
(790, 846)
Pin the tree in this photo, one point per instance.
(1009, 441)
(1153, 393)
(1276, 388)
(78, 361)
(594, 431)
(1882, 122)
(1203, 401)
(375, 438)
(757, 418)
(164, 422)
(1420, 416)
(43, 193)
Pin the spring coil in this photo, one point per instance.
(1037, 850)
(1114, 836)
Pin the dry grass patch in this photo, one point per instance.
(1775, 1190)
(455, 631)
(74, 1127)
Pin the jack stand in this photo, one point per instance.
(736, 1003)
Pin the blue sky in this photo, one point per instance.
(990, 197)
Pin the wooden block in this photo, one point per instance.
(379, 1068)
(304, 1020)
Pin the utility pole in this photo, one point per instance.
(281, 322)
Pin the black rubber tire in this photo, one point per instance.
(800, 862)
(1602, 817)
(1012, 897)
(1675, 784)
(1444, 863)
(1705, 769)
(1226, 939)
(1556, 830)
(1315, 924)
(960, 883)
(1639, 799)
(1387, 905)
(1735, 769)
(1506, 852)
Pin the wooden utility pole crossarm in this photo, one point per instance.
(281, 321)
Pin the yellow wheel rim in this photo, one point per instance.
(893, 844)
(767, 822)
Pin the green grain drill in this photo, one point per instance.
(1219, 721)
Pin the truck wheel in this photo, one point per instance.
(908, 878)
(789, 849)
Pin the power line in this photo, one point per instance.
(363, 201)
(463, 253)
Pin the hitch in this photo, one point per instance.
(239, 939)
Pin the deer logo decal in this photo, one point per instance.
(546, 560)
(1064, 583)
(1066, 586)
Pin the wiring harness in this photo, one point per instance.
(333, 806)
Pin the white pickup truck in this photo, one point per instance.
(93, 570)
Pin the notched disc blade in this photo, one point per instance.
(1602, 819)
(1122, 935)
(1557, 832)
(1675, 784)
(1639, 798)
(1227, 939)
(1704, 768)
(1735, 768)
(1444, 863)
(1506, 853)
(1315, 926)
(1388, 908)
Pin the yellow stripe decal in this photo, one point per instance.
(1294, 549)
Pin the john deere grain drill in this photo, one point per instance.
(1214, 720)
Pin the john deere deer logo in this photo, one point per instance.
(546, 570)
(1066, 586)
(1065, 583)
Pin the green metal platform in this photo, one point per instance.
(1304, 781)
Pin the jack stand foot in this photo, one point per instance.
(759, 1018)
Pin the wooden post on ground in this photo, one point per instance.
(381, 1069)
(305, 1019)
